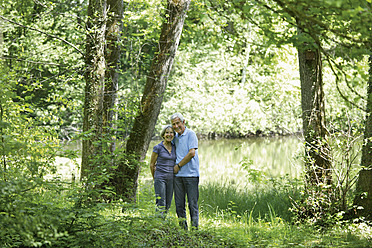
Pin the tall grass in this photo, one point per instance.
(260, 201)
(230, 217)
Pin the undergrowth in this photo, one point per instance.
(56, 217)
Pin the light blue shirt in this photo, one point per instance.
(184, 143)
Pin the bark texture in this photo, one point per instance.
(101, 76)
(144, 124)
(364, 184)
(313, 116)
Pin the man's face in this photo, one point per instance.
(178, 126)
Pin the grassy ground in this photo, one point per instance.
(255, 217)
(65, 215)
(230, 218)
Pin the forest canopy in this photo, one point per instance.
(231, 75)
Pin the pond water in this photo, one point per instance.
(221, 160)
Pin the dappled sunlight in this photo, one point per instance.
(68, 169)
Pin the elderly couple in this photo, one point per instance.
(177, 170)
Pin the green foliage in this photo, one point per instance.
(324, 205)
(264, 101)
(234, 61)
(262, 221)
(318, 205)
(141, 30)
(153, 232)
(235, 73)
(60, 214)
(345, 95)
(254, 175)
(225, 200)
(27, 154)
(44, 69)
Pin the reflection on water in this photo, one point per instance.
(220, 160)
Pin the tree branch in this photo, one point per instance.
(40, 31)
(31, 62)
(303, 16)
(310, 19)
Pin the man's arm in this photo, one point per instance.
(185, 160)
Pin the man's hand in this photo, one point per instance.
(176, 169)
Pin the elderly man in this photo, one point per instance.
(186, 181)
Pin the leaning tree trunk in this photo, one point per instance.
(144, 124)
(364, 184)
(101, 76)
(317, 162)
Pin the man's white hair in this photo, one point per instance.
(177, 115)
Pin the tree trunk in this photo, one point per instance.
(144, 124)
(313, 117)
(101, 76)
(1, 37)
(364, 184)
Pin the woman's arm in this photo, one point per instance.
(154, 157)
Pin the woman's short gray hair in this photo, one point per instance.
(177, 115)
(165, 129)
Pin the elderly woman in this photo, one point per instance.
(163, 160)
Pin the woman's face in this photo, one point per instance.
(168, 135)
